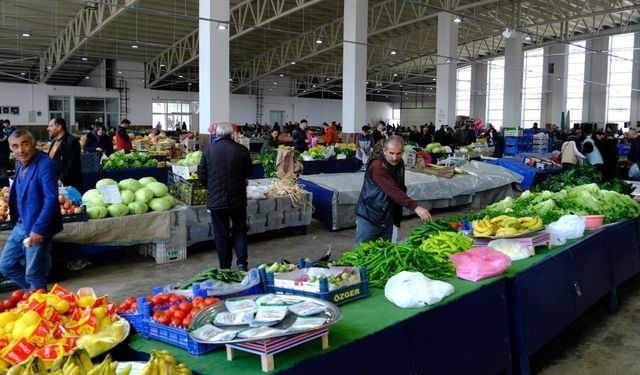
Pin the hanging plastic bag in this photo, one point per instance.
(634, 172)
(329, 152)
(413, 289)
(566, 228)
(512, 248)
(480, 263)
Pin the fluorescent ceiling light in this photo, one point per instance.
(457, 19)
(26, 34)
(319, 41)
(393, 52)
(222, 26)
(84, 58)
(135, 45)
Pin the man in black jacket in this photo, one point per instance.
(64, 149)
(300, 137)
(225, 170)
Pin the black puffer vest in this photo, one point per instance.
(373, 204)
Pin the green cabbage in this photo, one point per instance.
(117, 210)
(144, 181)
(160, 204)
(143, 195)
(136, 208)
(105, 181)
(129, 184)
(97, 212)
(127, 196)
(159, 189)
(92, 198)
(170, 199)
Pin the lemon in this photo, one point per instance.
(30, 318)
(99, 312)
(62, 306)
(86, 301)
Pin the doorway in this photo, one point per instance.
(276, 116)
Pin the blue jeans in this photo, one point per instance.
(367, 231)
(26, 266)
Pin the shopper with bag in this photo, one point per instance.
(570, 153)
(364, 142)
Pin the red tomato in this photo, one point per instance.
(8, 304)
(156, 300)
(173, 299)
(130, 300)
(210, 301)
(185, 306)
(179, 314)
(133, 306)
(176, 322)
(17, 295)
(164, 320)
(186, 321)
(198, 300)
(173, 308)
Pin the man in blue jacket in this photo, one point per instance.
(35, 213)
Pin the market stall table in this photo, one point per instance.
(335, 195)
(375, 336)
(530, 175)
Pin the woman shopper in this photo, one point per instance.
(570, 153)
(592, 153)
(99, 141)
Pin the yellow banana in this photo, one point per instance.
(84, 361)
(499, 219)
(125, 370)
(16, 370)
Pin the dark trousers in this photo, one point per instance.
(230, 229)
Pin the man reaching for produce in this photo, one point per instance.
(225, 169)
(35, 213)
(384, 194)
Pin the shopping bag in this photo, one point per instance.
(480, 263)
(634, 172)
(413, 289)
(566, 228)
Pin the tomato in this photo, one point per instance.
(17, 295)
(186, 321)
(198, 300)
(156, 300)
(210, 301)
(185, 306)
(173, 298)
(179, 314)
(8, 304)
(157, 315)
(173, 308)
(176, 322)
(130, 300)
(133, 306)
(164, 320)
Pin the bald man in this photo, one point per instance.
(384, 194)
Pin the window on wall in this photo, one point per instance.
(463, 92)
(91, 110)
(495, 91)
(171, 114)
(532, 87)
(620, 69)
(575, 81)
(60, 106)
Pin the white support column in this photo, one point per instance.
(446, 70)
(595, 94)
(554, 85)
(479, 90)
(635, 82)
(513, 76)
(214, 64)
(354, 67)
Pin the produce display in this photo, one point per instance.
(584, 200)
(268, 160)
(192, 159)
(170, 309)
(314, 153)
(581, 175)
(278, 267)
(226, 276)
(121, 160)
(308, 279)
(436, 148)
(347, 149)
(48, 325)
(504, 225)
(163, 363)
(67, 207)
(138, 196)
(4, 205)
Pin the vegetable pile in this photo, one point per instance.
(435, 148)
(138, 196)
(581, 175)
(583, 200)
(226, 276)
(191, 160)
(120, 160)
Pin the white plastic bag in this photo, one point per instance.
(413, 289)
(329, 152)
(514, 249)
(634, 171)
(566, 228)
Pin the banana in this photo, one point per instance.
(16, 370)
(126, 369)
(97, 369)
(84, 361)
(58, 363)
(527, 219)
(113, 366)
(499, 219)
(75, 371)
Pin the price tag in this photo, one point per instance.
(110, 194)
(181, 171)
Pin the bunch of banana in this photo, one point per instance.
(163, 363)
(76, 363)
(34, 366)
(504, 225)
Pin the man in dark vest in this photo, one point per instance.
(384, 194)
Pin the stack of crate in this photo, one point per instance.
(541, 143)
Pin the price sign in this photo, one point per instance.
(110, 194)
(181, 171)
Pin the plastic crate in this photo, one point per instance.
(623, 150)
(175, 336)
(90, 162)
(252, 290)
(191, 192)
(6, 225)
(510, 141)
(136, 319)
(7, 285)
(72, 218)
(338, 296)
(511, 150)
(163, 252)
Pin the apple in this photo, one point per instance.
(67, 205)
(62, 199)
(63, 211)
(77, 210)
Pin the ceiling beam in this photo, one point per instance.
(244, 18)
(88, 22)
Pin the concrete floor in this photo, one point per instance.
(597, 343)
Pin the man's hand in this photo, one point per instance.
(98, 149)
(35, 238)
(423, 213)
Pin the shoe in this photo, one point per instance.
(242, 267)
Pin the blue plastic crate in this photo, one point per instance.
(177, 337)
(511, 150)
(511, 141)
(136, 321)
(255, 289)
(338, 296)
(623, 150)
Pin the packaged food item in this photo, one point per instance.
(210, 332)
(274, 300)
(241, 306)
(269, 315)
(226, 318)
(307, 308)
(303, 324)
(256, 333)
